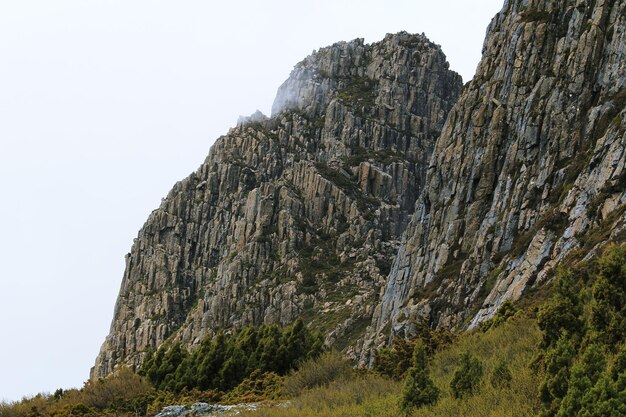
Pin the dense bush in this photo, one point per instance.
(394, 362)
(329, 367)
(124, 390)
(506, 311)
(584, 331)
(501, 375)
(223, 361)
(419, 389)
(259, 386)
(121, 394)
(468, 376)
(562, 314)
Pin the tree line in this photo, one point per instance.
(224, 360)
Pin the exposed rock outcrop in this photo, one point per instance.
(295, 215)
(529, 167)
(365, 161)
(205, 410)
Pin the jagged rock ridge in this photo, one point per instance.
(529, 167)
(294, 215)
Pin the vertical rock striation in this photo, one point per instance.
(294, 215)
(528, 168)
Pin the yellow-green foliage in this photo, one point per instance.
(419, 390)
(514, 342)
(329, 367)
(121, 394)
(259, 386)
(363, 394)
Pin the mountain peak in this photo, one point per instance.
(296, 215)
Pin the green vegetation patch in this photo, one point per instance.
(583, 351)
(360, 154)
(536, 16)
(366, 204)
(224, 361)
(359, 93)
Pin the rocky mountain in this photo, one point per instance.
(295, 215)
(381, 191)
(528, 170)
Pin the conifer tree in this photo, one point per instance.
(267, 351)
(233, 370)
(608, 309)
(171, 361)
(467, 378)
(208, 371)
(419, 389)
(583, 377)
(558, 361)
(563, 312)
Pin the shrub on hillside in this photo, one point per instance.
(329, 367)
(258, 386)
(223, 361)
(501, 376)
(419, 389)
(394, 362)
(123, 390)
(584, 366)
(468, 377)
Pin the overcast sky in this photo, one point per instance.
(105, 104)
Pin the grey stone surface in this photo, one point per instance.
(375, 159)
(204, 410)
(292, 215)
(535, 141)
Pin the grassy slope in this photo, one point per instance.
(369, 395)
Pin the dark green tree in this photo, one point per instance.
(58, 394)
(419, 390)
(558, 361)
(186, 374)
(563, 312)
(293, 346)
(501, 376)
(248, 341)
(267, 351)
(211, 363)
(171, 361)
(223, 361)
(608, 308)
(589, 315)
(584, 376)
(468, 377)
(233, 370)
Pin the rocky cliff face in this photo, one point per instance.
(529, 167)
(295, 215)
(367, 201)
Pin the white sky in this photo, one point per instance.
(105, 104)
